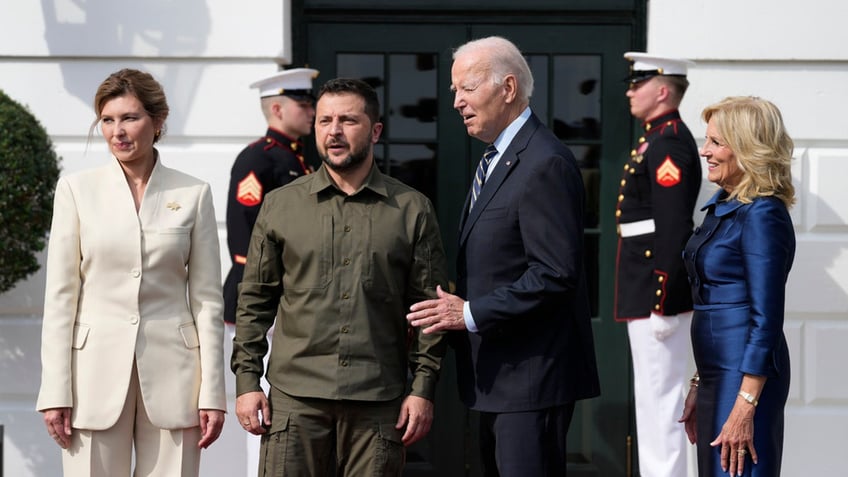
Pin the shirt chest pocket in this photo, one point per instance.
(308, 254)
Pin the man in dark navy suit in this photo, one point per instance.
(520, 319)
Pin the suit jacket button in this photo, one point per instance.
(647, 254)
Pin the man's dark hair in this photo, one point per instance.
(678, 85)
(357, 87)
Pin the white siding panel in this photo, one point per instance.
(815, 441)
(825, 208)
(811, 96)
(24, 299)
(823, 383)
(818, 282)
(207, 99)
(752, 29)
(20, 345)
(157, 29)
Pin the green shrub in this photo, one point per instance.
(29, 169)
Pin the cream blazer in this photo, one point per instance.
(126, 287)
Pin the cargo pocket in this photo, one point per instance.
(274, 448)
(391, 455)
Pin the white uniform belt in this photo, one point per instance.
(633, 229)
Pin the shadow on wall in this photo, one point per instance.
(130, 34)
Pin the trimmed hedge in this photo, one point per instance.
(29, 169)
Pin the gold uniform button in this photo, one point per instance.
(632, 152)
(626, 166)
(641, 139)
(648, 126)
(660, 278)
(647, 254)
(618, 213)
(623, 181)
(657, 306)
(659, 292)
(669, 123)
(620, 197)
(632, 170)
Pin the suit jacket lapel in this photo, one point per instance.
(508, 160)
(150, 203)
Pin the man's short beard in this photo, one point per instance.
(351, 161)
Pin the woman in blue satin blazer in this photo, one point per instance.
(738, 262)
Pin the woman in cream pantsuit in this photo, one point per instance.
(132, 340)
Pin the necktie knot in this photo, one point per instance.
(480, 175)
(488, 154)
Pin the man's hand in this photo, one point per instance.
(441, 314)
(211, 424)
(253, 412)
(416, 413)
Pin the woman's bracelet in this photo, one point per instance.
(695, 381)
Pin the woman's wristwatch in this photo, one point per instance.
(749, 398)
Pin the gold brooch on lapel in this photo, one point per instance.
(173, 206)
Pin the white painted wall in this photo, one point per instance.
(53, 55)
(793, 54)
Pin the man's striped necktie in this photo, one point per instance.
(480, 175)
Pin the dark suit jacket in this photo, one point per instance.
(520, 264)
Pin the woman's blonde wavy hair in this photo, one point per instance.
(753, 129)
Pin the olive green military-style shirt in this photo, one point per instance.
(339, 273)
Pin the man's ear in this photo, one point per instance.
(276, 109)
(663, 92)
(510, 86)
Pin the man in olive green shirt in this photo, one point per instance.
(339, 256)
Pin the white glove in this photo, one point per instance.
(663, 326)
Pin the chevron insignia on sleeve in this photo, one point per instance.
(249, 191)
(668, 174)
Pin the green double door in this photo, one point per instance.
(579, 94)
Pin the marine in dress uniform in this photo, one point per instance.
(270, 162)
(656, 200)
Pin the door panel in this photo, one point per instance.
(579, 94)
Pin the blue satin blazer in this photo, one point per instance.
(739, 259)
